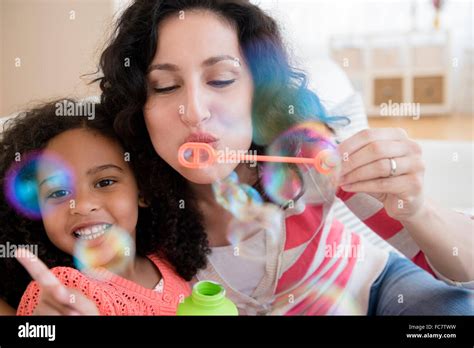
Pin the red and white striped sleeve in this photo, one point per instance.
(372, 213)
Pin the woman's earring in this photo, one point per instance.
(141, 201)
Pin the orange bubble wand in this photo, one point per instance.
(324, 161)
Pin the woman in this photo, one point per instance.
(217, 72)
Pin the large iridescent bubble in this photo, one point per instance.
(285, 183)
(22, 184)
(236, 197)
(109, 248)
(252, 219)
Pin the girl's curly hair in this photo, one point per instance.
(278, 87)
(28, 133)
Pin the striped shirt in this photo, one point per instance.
(317, 266)
(323, 268)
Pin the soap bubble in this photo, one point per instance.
(253, 223)
(108, 247)
(285, 182)
(236, 197)
(22, 182)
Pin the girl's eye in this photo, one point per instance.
(221, 83)
(165, 89)
(59, 194)
(105, 183)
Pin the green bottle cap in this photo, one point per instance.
(207, 298)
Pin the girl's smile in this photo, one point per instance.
(93, 234)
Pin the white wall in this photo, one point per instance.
(309, 24)
(57, 42)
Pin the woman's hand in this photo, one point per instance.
(445, 236)
(55, 298)
(367, 167)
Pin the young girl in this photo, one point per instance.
(217, 72)
(85, 190)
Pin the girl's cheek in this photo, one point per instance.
(125, 212)
(55, 226)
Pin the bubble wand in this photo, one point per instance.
(324, 161)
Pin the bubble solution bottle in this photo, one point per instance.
(207, 298)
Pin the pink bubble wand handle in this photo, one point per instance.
(323, 162)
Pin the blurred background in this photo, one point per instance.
(409, 61)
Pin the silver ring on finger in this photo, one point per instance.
(393, 167)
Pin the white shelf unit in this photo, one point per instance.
(410, 67)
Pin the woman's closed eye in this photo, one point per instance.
(221, 83)
(165, 90)
(213, 83)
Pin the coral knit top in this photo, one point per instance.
(114, 295)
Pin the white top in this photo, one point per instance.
(242, 265)
(159, 287)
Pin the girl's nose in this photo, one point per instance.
(84, 203)
(195, 111)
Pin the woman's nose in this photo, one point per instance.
(194, 112)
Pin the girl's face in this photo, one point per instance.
(200, 90)
(103, 190)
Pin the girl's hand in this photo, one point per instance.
(55, 298)
(366, 167)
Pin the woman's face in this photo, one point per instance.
(200, 90)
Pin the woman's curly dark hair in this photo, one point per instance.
(277, 87)
(29, 133)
